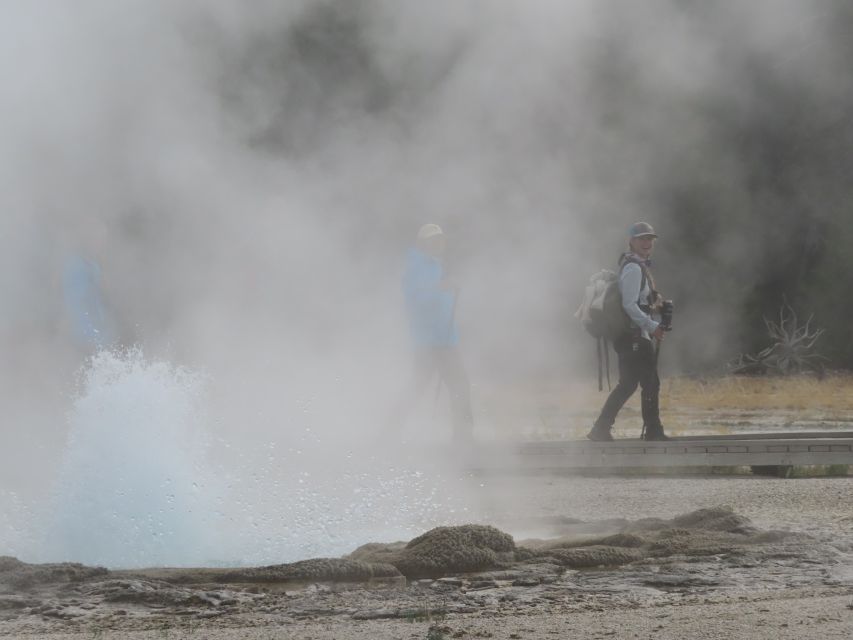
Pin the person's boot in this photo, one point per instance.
(600, 434)
(654, 433)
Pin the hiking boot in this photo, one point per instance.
(655, 434)
(600, 434)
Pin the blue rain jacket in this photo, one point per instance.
(430, 308)
(82, 290)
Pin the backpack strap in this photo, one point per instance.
(643, 281)
(603, 352)
(646, 277)
(598, 342)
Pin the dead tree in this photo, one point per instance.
(792, 348)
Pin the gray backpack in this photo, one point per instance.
(602, 315)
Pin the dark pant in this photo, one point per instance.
(447, 363)
(637, 366)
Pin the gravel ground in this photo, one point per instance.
(812, 505)
(532, 506)
(792, 616)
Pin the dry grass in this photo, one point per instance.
(833, 393)
(563, 408)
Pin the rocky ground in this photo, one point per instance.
(709, 572)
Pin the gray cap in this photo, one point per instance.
(639, 229)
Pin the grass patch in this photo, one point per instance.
(803, 471)
(755, 393)
(557, 408)
(821, 471)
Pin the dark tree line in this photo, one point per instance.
(747, 171)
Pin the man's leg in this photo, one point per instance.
(650, 394)
(629, 378)
(424, 365)
(452, 372)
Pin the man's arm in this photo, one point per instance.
(629, 286)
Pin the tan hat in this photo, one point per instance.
(428, 231)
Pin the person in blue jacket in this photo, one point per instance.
(90, 323)
(430, 299)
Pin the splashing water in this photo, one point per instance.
(132, 484)
(143, 482)
(311, 503)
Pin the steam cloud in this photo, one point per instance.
(249, 176)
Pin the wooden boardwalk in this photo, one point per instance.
(753, 450)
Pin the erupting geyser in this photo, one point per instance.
(134, 489)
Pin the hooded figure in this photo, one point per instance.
(429, 302)
(81, 285)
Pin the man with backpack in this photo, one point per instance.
(637, 346)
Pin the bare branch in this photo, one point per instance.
(791, 349)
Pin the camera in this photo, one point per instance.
(666, 309)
